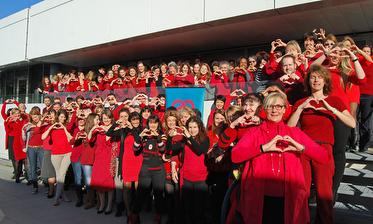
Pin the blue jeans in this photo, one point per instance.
(87, 171)
(34, 155)
(77, 168)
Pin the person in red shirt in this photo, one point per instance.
(185, 77)
(240, 76)
(14, 126)
(291, 79)
(60, 150)
(169, 78)
(171, 163)
(150, 143)
(108, 78)
(272, 186)
(316, 115)
(82, 85)
(219, 104)
(193, 172)
(119, 83)
(342, 74)
(218, 164)
(9, 135)
(204, 76)
(72, 83)
(47, 170)
(47, 86)
(80, 137)
(366, 102)
(220, 81)
(104, 165)
(31, 134)
(142, 75)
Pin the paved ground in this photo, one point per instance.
(19, 206)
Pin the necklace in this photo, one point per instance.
(278, 167)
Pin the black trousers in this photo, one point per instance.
(194, 198)
(366, 129)
(341, 134)
(148, 180)
(218, 186)
(173, 202)
(273, 210)
(11, 152)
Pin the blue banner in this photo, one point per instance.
(180, 97)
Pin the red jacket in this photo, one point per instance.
(258, 180)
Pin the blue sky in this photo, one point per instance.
(8, 7)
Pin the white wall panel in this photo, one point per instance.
(287, 3)
(58, 26)
(221, 9)
(82, 23)
(169, 14)
(13, 38)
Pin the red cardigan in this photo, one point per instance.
(258, 176)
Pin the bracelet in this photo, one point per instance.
(334, 111)
(261, 149)
(354, 60)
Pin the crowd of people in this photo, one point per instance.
(263, 151)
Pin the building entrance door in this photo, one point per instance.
(22, 89)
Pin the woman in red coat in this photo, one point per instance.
(14, 126)
(316, 115)
(104, 166)
(273, 187)
(61, 151)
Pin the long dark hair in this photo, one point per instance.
(155, 119)
(64, 112)
(202, 135)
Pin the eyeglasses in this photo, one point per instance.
(276, 107)
(328, 44)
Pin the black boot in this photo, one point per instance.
(119, 209)
(79, 195)
(35, 187)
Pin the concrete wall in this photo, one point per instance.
(57, 26)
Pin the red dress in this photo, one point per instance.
(15, 127)
(104, 166)
(131, 163)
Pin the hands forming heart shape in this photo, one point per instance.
(282, 144)
(317, 105)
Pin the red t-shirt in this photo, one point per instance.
(59, 145)
(319, 124)
(35, 138)
(194, 168)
